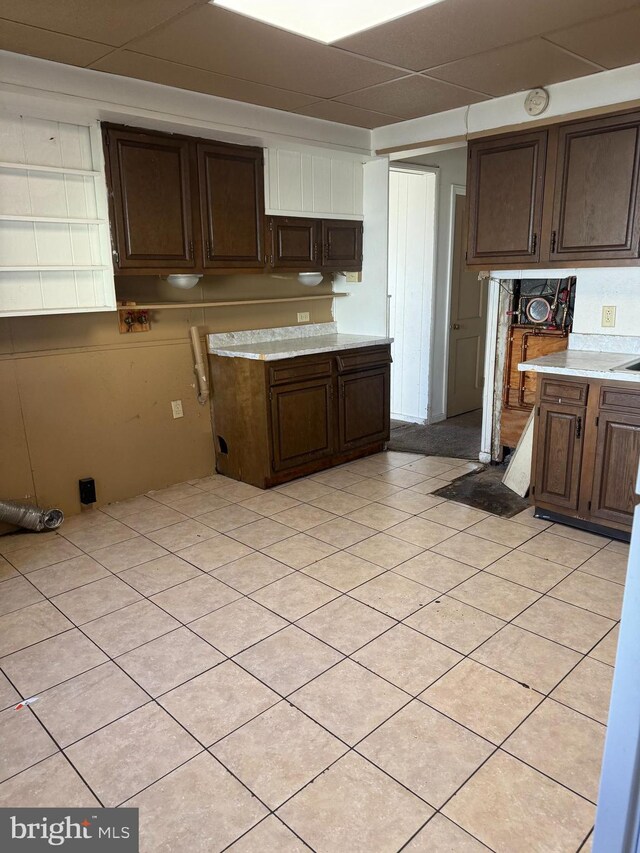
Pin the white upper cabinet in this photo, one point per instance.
(313, 183)
(55, 255)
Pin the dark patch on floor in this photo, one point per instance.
(485, 490)
(459, 436)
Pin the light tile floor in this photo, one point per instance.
(345, 663)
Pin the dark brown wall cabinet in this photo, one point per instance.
(298, 243)
(179, 203)
(596, 207)
(505, 190)
(563, 196)
(278, 420)
(586, 452)
(150, 188)
(231, 206)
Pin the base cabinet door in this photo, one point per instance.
(558, 458)
(616, 466)
(364, 407)
(302, 419)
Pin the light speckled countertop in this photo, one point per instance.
(587, 363)
(288, 342)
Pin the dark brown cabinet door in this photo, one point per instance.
(301, 422)
(294, 243)
(596, 210)
(231, 206)
(363, 409)
(341, 245)
(505, 185)
(559, 436)
(151, 201)
(616, 467)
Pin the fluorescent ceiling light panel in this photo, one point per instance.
(324, 20)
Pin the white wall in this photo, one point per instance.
(412, 212)
(365, 311)
(452, 166)
(597, 287)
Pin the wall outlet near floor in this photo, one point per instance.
(608, 316)
(303, 317)
(176, 409)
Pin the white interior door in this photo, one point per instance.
(467, 324)
(412, 209)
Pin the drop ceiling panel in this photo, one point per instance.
(458, 28)
(110, 21)
(130, 64)
(514, 68)
(412, 97)
(346, 114)
(612, 42)
(59, 48)
(221, 41)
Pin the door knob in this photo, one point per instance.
(455, 325)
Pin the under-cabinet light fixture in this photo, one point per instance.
(183, 281)
(327, 21)
(310, 279)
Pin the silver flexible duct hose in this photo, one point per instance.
(31, 517)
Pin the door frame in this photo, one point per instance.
(456, 190)
(430, 302)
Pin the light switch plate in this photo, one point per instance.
(353, 277)
(303, 317)
(608, 316)
(176, 408)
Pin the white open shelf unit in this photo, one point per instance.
(55, 253)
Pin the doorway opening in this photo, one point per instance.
(437, 312)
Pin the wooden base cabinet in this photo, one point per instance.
(586, 453)
(278, 420)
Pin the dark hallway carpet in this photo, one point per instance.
(459, 436)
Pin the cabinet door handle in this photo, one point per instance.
(578, 427)
(191, 249)
(553, 241)
(534, 244)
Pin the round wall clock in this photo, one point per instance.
(536, 102)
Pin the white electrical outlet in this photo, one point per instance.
(176, 408)
(303, 317)
(608, 316)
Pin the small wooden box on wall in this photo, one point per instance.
(132, 319)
